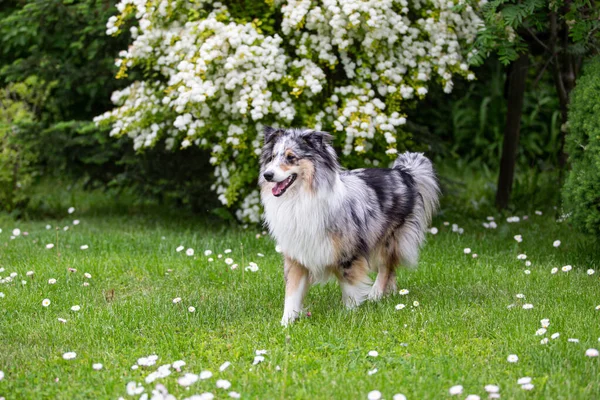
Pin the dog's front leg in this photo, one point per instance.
(296, 286)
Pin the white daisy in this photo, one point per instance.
(590, 271)
(545, 322)
(258, 359)
(228, 261)
(520, 296)
(227, 251)
(521, 256)
(373, 353)
(176, 300)
(179, 248)
(527, 306)
(46, 302)
(224, 366)
(492, 388)
(403, 292)
(433, 230)
(223, 384)
(512, 358)
(540, 332)
(189, 252)
(527, 386)
(555, 335)
(455, 390)
(566, 268)
(75, 308)
(178, 364)
(71, 210)
(207, 252)
(400, 306)
(234, 395)
(64, 321)
(416, 303)
(374, 395)
(372, 371)
(591, 353)
(556, 243)
(573, 340)
(69, 355)
(16, 232)
(528, 263)
(554, 270)
(29, 273)
(399, 396)
(544, 340)
(87, 275)
(187, 379)
(524, 380)
(84, 247)
(467, 251)
(75, 222)
(50, 245)
(97, 366)
(518, 238)
(192, 309)
(527, 272)
(472, 397)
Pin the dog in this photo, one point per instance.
(330, 221)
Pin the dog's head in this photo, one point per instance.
(292, 157)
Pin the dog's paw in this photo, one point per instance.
(375, 294)
(289, 317)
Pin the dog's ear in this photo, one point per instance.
(270, 133)
(318, 139)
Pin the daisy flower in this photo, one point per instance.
(555, 335)
(518, 238)
(176, 300)
(527, 306)
(46, 302)
(207, 252)
(524, 380)
(554, 270)
(521, 256)
(527, 386)
(227, 251)
(556, 243)
(566, 268)
(179, 248)
(223, 384)
(189, 252)
(50, 245)
(191, 309)
(400, 306)
(455, 390)
(224, 366)
(591, 353)
(590, 271)
(467, 251)
(374, 395)
(492, 388)
(512, 358)
(399, 396)
(373, 353)
(69, 355)
(433, 230)
(403, 292)
(87, 275)
(97, 366)
(75, 308)
(84, 247)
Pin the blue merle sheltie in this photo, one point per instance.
(329, 221)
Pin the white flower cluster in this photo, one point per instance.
(352, 65)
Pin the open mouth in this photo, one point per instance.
(281, 187)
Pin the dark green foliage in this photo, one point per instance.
(469, 124)
(63, 48)
(581, 192)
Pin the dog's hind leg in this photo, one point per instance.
(386, 277)
(296, 286)
(354, 281)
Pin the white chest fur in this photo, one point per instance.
(298, 222)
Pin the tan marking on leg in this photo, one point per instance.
(296, 286)
(293, 272)
(355, 282)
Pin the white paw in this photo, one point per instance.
(289, 317)
(375, 294)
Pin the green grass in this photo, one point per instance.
(461, 333)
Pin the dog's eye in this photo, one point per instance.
(290, 158)
(272, 157)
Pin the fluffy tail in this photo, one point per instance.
(421, 169)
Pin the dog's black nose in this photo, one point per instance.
(268, 175)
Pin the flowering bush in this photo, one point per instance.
(213, 75)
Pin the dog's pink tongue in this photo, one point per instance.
(278, 188)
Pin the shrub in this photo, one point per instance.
(213, 74)
(581, 192)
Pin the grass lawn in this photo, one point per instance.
(461, 332)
